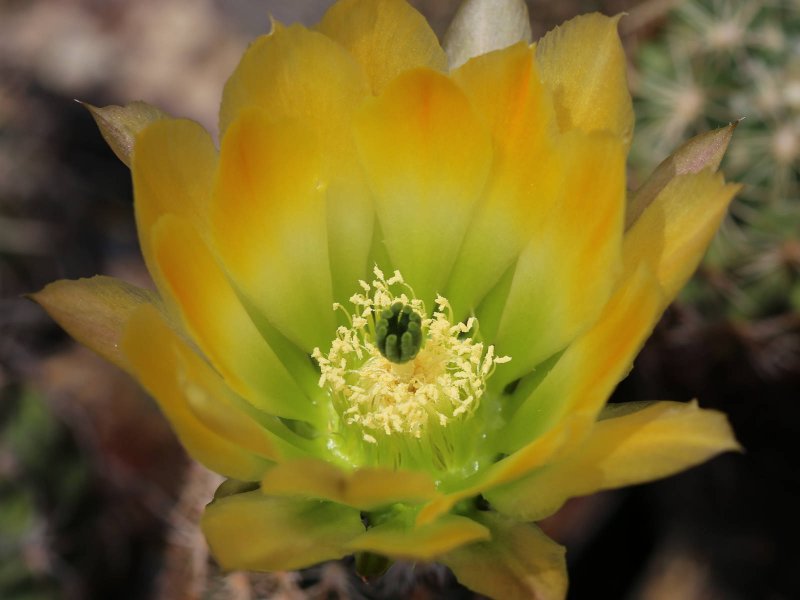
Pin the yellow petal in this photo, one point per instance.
(386, 37)
(173, 166)
(365, 489)
(518, 563)
(119, 125)
(402, 540)
(566, 272)
(178, 381)
(654, 441)
(213, 314)
(584, 377)
(294, 73)
(426, 157)
(508, 97)
(94, 311)
(254, 532)
(269, 224)
(583, 65)
(675, 229)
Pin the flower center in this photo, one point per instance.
(401, 379)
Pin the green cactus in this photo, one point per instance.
(714, 62)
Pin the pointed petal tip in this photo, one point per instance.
(119, 125)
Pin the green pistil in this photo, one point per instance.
(398, 333)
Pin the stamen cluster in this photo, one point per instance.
(443, 383)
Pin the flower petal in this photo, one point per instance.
(365, 489)
(300, 75)
(94, 311)
(524, 183)
(255, 532)
(173, 166)
(675, 229)
(213, 314)
(119, 125)
(583, 65)
(518, 563)
(481, 26)
(269, 224)
(654, 441)
(182, 384)
(294, 73)
(568, 269)
(586, 374)
(426, 157)
(399, 538)
(386, 37)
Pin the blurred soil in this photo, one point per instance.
(97, 500)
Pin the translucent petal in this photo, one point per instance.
(508, 98)
(174, 164)
(586, 374)
(426, 157)
(654, 440)
(386, 37)
(213, 314)
(673, 232)
(566, 272)
(255, 532)
(519, 562)
(583, 65)
(182, 383)
(269, 225)
(119, 125)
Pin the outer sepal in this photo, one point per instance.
(481, 26)
(120, 124)
(519, 562)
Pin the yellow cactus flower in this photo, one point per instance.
(392, 305)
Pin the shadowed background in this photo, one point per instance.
(97, 500)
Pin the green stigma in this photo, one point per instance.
(398, 333)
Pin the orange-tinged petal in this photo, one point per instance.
(269, 225)
(583, 65)
(518, 563)
(386, 37)
(94, 311)
(301, 75)
(569, 267)
(675, 229)
(426, 158)
(213, 314)
(252, 531)
(508, 97)
(165, 367)
(400, 539)
(365, 489)
(294, 73)
(173, 166)
(624, 448)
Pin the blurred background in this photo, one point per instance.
(97, 500)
